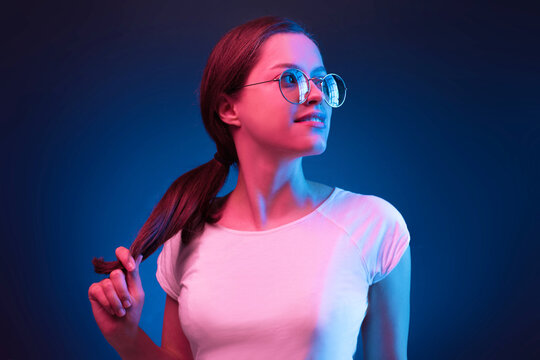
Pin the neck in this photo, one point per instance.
(269, 191)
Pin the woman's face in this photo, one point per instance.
(267, 120)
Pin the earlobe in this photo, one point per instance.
(227, 110)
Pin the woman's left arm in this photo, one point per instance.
(385, 329)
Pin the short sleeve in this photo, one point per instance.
(387, 240)
(167, 269)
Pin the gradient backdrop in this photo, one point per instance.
(100, 115)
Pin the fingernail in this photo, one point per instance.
(122, 312)
(127, 303)
(131, 265)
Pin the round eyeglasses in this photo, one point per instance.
(295, 87)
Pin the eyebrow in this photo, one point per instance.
(295, 66)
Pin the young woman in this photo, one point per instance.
(282, 267)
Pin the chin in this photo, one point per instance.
(317, 149)
(308, 148)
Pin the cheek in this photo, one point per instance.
(269, 110)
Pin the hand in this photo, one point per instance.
(117, 301)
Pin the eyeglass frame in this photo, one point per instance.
(309, 86)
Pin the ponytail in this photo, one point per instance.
(187, 205)
(190, 201)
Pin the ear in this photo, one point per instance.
(227, 110)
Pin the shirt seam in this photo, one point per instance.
(351, 240)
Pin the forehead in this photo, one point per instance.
(289, 48)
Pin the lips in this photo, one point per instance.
(315, 115)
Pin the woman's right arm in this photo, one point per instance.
(118, 320)
(172, 337)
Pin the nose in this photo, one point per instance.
(315, 95)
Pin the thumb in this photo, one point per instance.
(133, 278)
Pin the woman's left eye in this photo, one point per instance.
(317, 81)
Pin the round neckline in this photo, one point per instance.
(303, 218)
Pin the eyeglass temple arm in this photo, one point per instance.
(262, 82)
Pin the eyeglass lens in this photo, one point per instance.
(294, 87)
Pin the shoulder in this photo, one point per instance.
(170, 251)
(174, 242)
(382, 208)
(348, 204)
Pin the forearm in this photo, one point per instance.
(143, 348)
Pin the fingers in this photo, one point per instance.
(112, 297)
(97, 295)
(125, 258)
(112, 294)
(119, 282)
(119, 291)
(133, 278)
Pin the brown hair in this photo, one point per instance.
(191, 201)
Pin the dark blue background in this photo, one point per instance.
(100, 115)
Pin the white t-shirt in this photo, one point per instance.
(298, 291)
